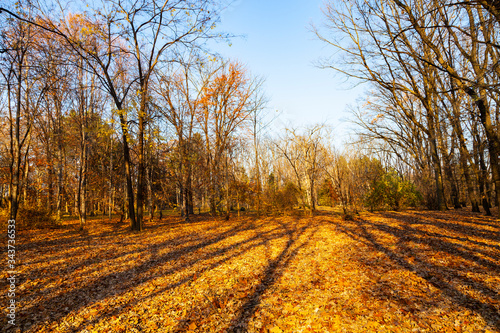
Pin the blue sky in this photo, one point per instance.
(279, 46)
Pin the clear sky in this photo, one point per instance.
(279, 46)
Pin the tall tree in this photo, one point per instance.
(17, 42)
(226, 104)
(177, 97)
(141, 33)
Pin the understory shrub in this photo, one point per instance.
(283, 199)
(391, 191)
(33, 217)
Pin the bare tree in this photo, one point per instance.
(17, 43)
(226, 104)
(303, 153)
(141, 33)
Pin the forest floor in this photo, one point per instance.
(412, 271)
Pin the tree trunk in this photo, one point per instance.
(138, 225)
(436, 162)
(257, 168)
(128, 172)
(227, 189)
(111, 187)
(150, 192)
(82, 181)
(465, 158)
(491, 135)
(15, 148)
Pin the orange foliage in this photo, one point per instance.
(224, 101)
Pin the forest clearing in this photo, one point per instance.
(154, 178)
(410, 271)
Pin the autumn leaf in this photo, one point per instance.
(397, 270)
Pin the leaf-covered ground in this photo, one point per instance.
(382, 272)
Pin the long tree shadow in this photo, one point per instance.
(465, 217)
(82, 243)
(235, 250)
(120, 281)
(117, 282)
(71, 235)
(272, 273)
(398, 237)
(467, 227)
(267, 278)
(243, 247)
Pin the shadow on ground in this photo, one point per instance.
(189, 253)
(456, 256)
